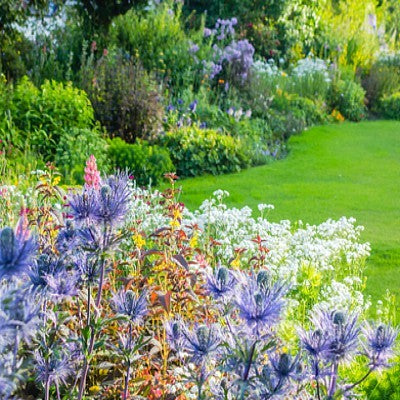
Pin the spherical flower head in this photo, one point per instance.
(221, 284)
(314, 342)
(131, 305)
(84, 207)
(260, 304)
(201, 342)
(343, 333)
(62, 285)
(113, 200)
(54, 369)
(16, 252)
(285, 366)
(92, 174)
(380, 343)
(173, 330)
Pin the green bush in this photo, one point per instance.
(43, 115)
(75, 147)
(196, 151)
(146, 163)
(348, 97)
(125, 99)
(158, 38)
(390, 106)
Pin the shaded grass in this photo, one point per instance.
(335, 170)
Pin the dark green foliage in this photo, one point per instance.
(146, 163)
(125, 98)
(389, 106)
(348, 97)
(196, 151)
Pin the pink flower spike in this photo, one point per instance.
(92, 174)
(22, 231)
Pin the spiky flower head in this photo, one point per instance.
(342, 331)
(84, 207)
(113, 199)
(201, 342)
(380, 343)
(131, 305)
(92, 174)
(314, 342)
(260, 303)
(16, 252)
(54, 369)
(62, 285)
(221, 284)
(173, 330)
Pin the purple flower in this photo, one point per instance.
(173, 330)
(170, 108)
(343, 331)
(62, 285)
(55, 368)
(207, 32)
(260, 304)
(315, 343)
(131, 305)
(84, 206)
(88, 267)
(194, 49)
(203, 125)
(113, 200)
(201, 342)
(16, 253)
(380, 342)
(66, 238)
(193, 106)
(221, 284)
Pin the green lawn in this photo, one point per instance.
(348, 169)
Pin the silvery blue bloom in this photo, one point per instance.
(131, 305)
(84, 206)
(62, 285)
(260, 304)
(221, 283)
(16, 253)
(55, 368)
(173, 330)
(88, 267)
(201, 342)
(380, 343)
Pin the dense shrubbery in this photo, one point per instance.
(146, 163)
(390, 106)
(195, 151)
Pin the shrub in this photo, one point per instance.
(158, 38)
(147, 163)
(390, 106)
(348, 98)
(43, 115)
(75, 147)
(124, 98)
(196, 151)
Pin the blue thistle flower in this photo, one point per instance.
(84, 207)
(113, 200)
(259, 303)
(88, 267)
(314, 342)
(132, 306)
(343, 331)
(221, 284)
(66, 238)
(201, 342)
(16, 253)
(380, 342)
(285, 366)
(62, 285)
(173, 330)
(55, 368)
(43, 266)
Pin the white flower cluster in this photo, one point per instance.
(332, 248)
(266, 67)
(311, 66)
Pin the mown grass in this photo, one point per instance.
(348, 169)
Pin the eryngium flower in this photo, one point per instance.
(201, 342)
(380, 342)
(16, 253)
(84, 207)
(88, 267)
(285, 366)
(221, 283)
(55, 368)
(314, 342)
(343, 333)
(113, 199)
(43, 266)
(259, 303)
(131, 305)
(62, 285)
(173, 330)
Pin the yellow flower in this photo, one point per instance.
(139, 240)
(56, 180)
(193, 241)
(236, 262)
(94, 389)
(177, 214)
(174, 223)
